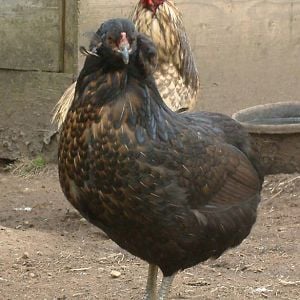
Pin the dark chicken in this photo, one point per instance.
(176, 73)
(173, 189)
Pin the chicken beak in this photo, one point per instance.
(124, 48)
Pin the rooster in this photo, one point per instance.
(176, 73)
(173, 189)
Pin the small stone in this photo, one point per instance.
(115, 274)
(32, 275)
(83, 220)
(25, 255)
(6, 144)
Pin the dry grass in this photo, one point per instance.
(25, 167)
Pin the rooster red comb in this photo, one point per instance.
(152, 4)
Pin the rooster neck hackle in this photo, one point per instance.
(154, 25)
(167, 31)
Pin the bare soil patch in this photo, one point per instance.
(47, 251)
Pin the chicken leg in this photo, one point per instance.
(165, 287)
(151, 283)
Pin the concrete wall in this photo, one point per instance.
(247, 51)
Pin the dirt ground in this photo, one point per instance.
(47, 251)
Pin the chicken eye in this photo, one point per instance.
(109, 39)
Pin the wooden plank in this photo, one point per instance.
(70, 21)
(27, 100)
(31, 34)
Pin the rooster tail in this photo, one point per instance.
(63, 105)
